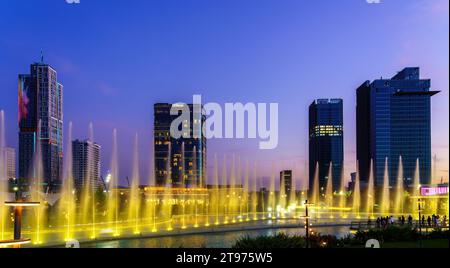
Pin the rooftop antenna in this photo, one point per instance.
(42, 57)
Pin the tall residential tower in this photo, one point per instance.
(41, 119)
(194, 148)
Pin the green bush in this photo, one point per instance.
(392, 233)
(278, 241)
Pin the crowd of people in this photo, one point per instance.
(432, 221)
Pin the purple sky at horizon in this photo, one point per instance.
(117, 58)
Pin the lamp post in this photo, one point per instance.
(307, 223)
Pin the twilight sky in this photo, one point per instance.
(116, 58)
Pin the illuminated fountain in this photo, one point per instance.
(3, 179)
(329, 189)
(315, 199)
(113, 190)
(370, 193)
(399, 195)
(134, 203)
(385, 201)
(37, 189)
(255, 194)
(357, 196)
(67, 202)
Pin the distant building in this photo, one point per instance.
(41, 101)
(286, 181)
(194, 149)
(10, 162)
(393, 119)
(326, 141)
(86, 163)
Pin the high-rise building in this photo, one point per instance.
(86, 163)
(326, 141)
(194, 148)
(393, 119)
(10, 162)
(41, 119)
(286, 181)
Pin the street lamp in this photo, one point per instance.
(307, 223)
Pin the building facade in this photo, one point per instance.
(326, 141)
(86, 164)
(393, 119)
(170, 152)
(41, 122)
(10, 162)
(286, 186)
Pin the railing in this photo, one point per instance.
(365, 225)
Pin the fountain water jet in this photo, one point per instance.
(385, 190)
(113, 190)
(329, 188)
(3, 179)
(36, 184)
(370, 196)
(255, 194)
(134, 198)
(315, 195)
(399, 196)
(67, 201)
(357, 194)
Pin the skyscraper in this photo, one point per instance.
(194, 148)
(326, 141)
(286, 181)
(86, 163)
(393, 119)
(41, 118)
(10, 159)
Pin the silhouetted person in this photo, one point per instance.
(429, 221)
(410, 220)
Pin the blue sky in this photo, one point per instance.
(116, 58)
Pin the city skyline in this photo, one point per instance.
(292, 152)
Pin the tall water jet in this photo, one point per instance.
(216, 199)
(342, 194)
(246, 198)
(195, 185)
(329, 187)
(385, 199)
(36, 187)
(255, 194)
(87, 190)
(232, 194)
(166, 208)
(416, 188)
(67, 202)
(357, 195)
(272, 200)
(399, 196)
(315, 195)
(3, 178)
(183, 186)
(92, 187)
(224, 193)
(134, 198)
(113, 190)
(370, 197)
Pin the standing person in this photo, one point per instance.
(429, 221)
(410, 219)
(423, 220)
